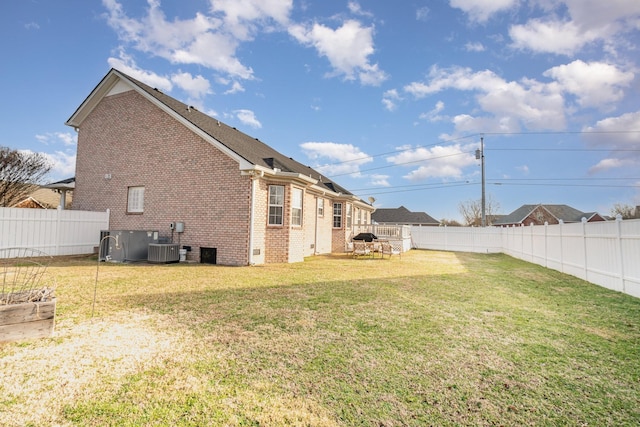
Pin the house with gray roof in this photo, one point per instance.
(154, 161)
(551, 214)
(402, 216)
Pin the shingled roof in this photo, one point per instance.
(402, 215)
(248, 148)
(560, 212)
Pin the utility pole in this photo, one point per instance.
(480, 156)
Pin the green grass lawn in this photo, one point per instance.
(429, 339)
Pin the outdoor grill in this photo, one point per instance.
(367, 237)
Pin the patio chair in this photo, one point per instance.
(360, 248)
(391, 248)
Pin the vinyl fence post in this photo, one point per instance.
(546, 244)
(584, 247)
(58, 221)
(620, 251)
(561, 223)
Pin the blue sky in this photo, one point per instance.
(390, 99)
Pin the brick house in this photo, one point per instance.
(153, 160)
(551, 214)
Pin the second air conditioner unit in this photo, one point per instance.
(164, 252)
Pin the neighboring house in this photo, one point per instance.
(65, 189)
(153, 161)
(551, 214)
(402, 216)
(43, 197)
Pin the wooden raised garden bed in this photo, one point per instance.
(27, 320)
(27, 305)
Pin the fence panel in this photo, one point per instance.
(604, 253)
(53, 231)
(629, 232)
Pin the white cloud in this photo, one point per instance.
(32, 26)
(380, 180)
(235, 88)
(356, 9)
(594, 84)
(389, 99)
(63, 164)
(435, 162)
(616, 133)
(474, 47)
(248, 117)
(551, 36)
(243, 18)
(482, 10)
(534, 105)
(347, 48)
(126, 64)
(524, 169)
(572, 24)
(49, 138)
(422, 14)
(196, 87)
(344, 158)
(201, 40)
(434, 114)
(613, 163)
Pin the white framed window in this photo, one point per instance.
(135, 199)
(276, 204)
(296, 206)
(337, 215)
(320, 207)
(348, 215)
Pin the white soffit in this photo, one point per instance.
(120, 87)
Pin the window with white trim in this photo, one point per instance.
(296, 207)
(135, 200)
(337, 215)
(348, 215)
(320, 207)
(276, 204)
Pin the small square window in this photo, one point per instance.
(135, 200)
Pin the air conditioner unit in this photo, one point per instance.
(164, 252)
(126, 245)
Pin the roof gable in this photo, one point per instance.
(249, 152)
(561, 212)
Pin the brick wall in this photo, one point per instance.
(127, 141)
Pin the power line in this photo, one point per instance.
(418, 189)
(402, 163)
(564, 149)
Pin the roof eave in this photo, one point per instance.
(111, 79)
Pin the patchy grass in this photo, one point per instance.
(431, 338)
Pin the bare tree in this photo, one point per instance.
(450, 222)
(19, 172)
(626, 211)
(471, 211)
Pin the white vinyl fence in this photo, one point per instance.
(53, 231)
(605, 253)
